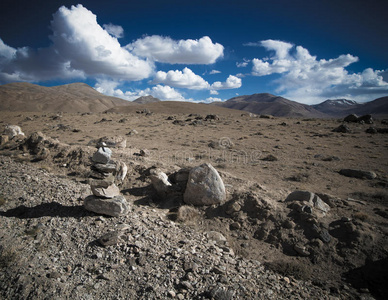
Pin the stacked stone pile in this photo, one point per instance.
(106, 198)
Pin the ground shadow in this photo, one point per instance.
(373, 276)
(52, 209)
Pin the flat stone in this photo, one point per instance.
(205, 186)
(115, 207)
(102, 155)
(109, 191)
(358, 173)
(300, 196)
(105, 168)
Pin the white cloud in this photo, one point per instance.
(80, 48)
(305, 78)
(189, 80)
(213, 92)
(115, 30)
(242, 64)
(232, 82)
(213, 99)
(163, 92)
(167, 50)
(212, 72)
(182, 79)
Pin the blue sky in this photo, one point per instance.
(307, 51)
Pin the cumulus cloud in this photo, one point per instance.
(115, 30)
(232, 82)
(305, 78)
(163, 92)
(80, 48)
(212, 72)
(213, 99)
(182, 79)
(189, 80)
(167, 50)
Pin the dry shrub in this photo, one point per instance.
(7, 256)
(361, 216)
(187, 214)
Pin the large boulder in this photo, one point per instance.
(204, 186)
(114, 207)
(353, 118)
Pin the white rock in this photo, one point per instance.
(160, 182)
(205, 186)
(121, 171)
(13, 130)
(115, 207)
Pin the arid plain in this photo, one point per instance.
(261, 161)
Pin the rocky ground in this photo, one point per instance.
(260, 243)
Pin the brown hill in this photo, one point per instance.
(375, 107)
(272, 105)
(176, 107)
(75, 97)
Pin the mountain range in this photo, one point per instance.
(80, 97)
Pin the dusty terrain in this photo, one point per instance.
(48, 241)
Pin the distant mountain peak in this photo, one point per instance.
(340, 102)
(146, 99)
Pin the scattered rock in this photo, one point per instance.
(212, 117)
(353, 118)
(270, 157)
(133, 132)
(145, 152)
(109, 239)
(367, 119)
(342, 128)
(358, 173)
(317, 203)
(204, 186)
(301, 250)
(115, 207)
(374, 130)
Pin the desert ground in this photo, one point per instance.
(261, 161)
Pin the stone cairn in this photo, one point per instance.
(106, 198)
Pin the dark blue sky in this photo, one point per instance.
(307, 51)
